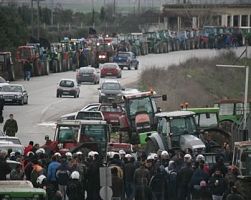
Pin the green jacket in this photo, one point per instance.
(10, 127)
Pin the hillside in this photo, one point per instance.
(197, 81)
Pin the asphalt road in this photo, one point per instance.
(36, 119)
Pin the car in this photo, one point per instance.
(126, 59)
(87, 74)
(14, 140)
(111, 113)
(10, 146)
(110, 91)
(89, 115)
(68, 87)
(88, 107)
(110, 69)
(14, 93)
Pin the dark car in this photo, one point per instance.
(110, 91)
(126, 59)
(14, 93)
(87, 74)
(110, 69)
(68, 87)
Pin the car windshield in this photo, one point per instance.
(89, 115)
(111, 86)
(87, 70)
(13, 140)
(206, 119)
(246, 164)
(1, 58)
(139, 105)
(104, 47)
(11, 88)
(94, 132)
(105, 66)
(123, 54)
(110, 109)
(12, 148)
(66, 83)
(182, 125)
(68, 133)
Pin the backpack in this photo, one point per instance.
(63, 177)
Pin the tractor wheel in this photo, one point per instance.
(151, 147)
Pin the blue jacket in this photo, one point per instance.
(52, 168)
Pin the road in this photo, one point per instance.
(36, 119)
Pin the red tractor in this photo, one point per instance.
(36, 56)
(105, 50)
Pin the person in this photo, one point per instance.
(129, 170)
(184, 177)
(17, 173)
(27, 70)
(217, 185)
(5, 168)
(10, 127)
(51, 172)
(28, 148)
(1, 110)
(117, 184)
(234, 195)
(74, 188)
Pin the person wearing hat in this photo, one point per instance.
(184, 177)
(74, 189)
(129, 170)
(10, 127)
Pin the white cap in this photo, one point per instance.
(57, 154)
(79, 153)
(188, 157)
(150, 157)
(91, 154)
(122, 152)
(200, 157)
(75, 175)
(68, 154)
(40, 151)
(12, 154)
(164, 153)
(154, 155)
(40, 179)
(128, 156)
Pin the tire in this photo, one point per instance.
(58, 95)
(26, 101)
(75, 95)
(121, 68)
(129, 67)
(21, 102)
(136, 67)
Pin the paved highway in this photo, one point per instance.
(35, 119)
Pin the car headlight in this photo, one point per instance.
(19, 96)
(119, 94)
(1, 96)
(102, 94)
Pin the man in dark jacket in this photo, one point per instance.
(183, 179)
(129, 170)
(117, 184)
(5, 168)
(218, 185)
(10, 127)
(74, 188)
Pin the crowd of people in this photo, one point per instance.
(157, 176)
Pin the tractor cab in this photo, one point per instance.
(81, 135)
(175, 130)
(242, 162)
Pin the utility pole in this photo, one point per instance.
(32, 23)
(52, 12)
(93, 15)
(38, 20)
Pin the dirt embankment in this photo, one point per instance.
(197, 81)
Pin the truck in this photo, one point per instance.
(80, 135)
(6, 66)
(176, 130)
(126, 59)
(242, 162)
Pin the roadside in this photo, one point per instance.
(196, 81)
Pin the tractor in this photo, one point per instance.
(36, 56)
(80, 135)
(6, 66)
(242, 162)
(176, 131)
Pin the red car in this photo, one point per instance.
(110, 69)
(111, 114)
